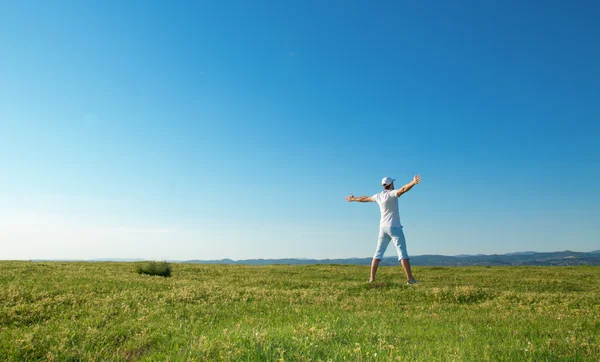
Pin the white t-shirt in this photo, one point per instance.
(388, 205)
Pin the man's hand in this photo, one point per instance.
(408, 186)
(358, 199)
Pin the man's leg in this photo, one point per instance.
(374, 266)
(382, 243)
(406, 265)
(400, 242)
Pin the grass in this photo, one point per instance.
(106, 311)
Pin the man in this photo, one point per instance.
(389, 225)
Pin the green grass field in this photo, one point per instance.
(106, 311)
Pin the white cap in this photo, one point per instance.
(387, 181)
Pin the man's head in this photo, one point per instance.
(388, 183)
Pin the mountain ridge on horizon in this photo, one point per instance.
(566, 257)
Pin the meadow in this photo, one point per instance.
(106, 311)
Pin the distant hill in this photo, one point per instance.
(563, 258)
(117, 259)
(522, 253)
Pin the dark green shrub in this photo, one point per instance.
(162, 269)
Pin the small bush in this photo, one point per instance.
(162, 269)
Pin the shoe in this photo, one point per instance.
(414, 281)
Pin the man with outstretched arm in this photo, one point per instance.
(389, 225)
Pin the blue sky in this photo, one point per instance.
(226, 129)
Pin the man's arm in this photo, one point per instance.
(359, 199)
(408, 186)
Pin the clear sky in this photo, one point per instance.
(219, 129)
